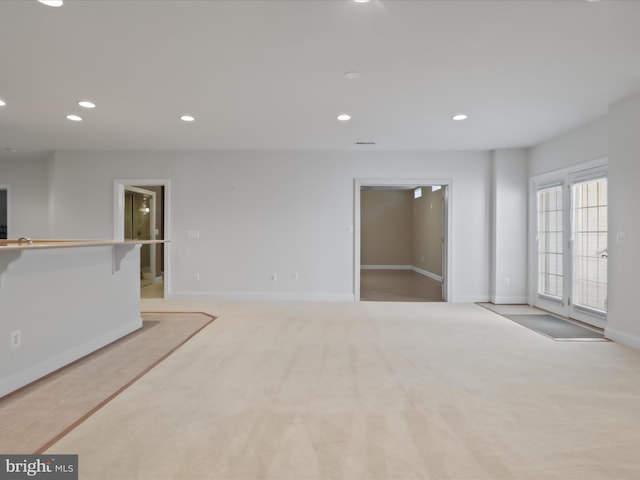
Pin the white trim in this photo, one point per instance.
(264, 296)
(386, 267)
(548, 178)
(480, 298)
(35, 372)
(118, 217)
(358, 183)
(426, 273)
(594, 319)
(623, 338)
(562, 177)
(521, 300)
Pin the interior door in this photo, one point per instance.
(139, 224)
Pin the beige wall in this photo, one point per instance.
(427, 231)
(397, 229)
(385, 227)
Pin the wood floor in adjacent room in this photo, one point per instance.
(368, 391)
(398, 286)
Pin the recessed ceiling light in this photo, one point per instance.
(361, 1)
(74, 118)
(459, 117)
(188, 118)
(52, 3)
(344, 117)
(87, 104)
(352, 75)
(2, 103)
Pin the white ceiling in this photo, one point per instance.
(267, 74)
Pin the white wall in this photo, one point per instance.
(589, 142)
(615, 136)
(260, 213)
(623, 322)
(66, 303)
(509, 222)
(554, 160)
(27, 177)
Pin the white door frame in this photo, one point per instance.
(404, 182)
(8, 189)
(559, 177)
(579, 312)
(152, 226)
(119, 187)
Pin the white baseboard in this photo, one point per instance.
(263, 296)
(510, 300)
(31, 374)
(385, 267)
(623, 338)
(426, 273)
(468, 298)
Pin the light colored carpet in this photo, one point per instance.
(38, 414)
(369, 391)
(398, 286)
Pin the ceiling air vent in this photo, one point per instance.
(365, 143)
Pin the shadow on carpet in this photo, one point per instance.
(38, 415)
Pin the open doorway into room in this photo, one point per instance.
(143, 220)
(401, 232)
(141, 214)
(4, 212)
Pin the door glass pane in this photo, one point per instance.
(590, 244)
(550, 241)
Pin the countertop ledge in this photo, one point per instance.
(41, 244)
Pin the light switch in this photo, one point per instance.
(193, 234)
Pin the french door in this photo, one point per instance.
(572, 246)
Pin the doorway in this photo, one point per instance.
(4, 212)
(140, 224)
(401, 240)
(572, 249)
(142, 214)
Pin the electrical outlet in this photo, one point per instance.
(193, 234)
(274, 277)
(16, 339)
(196, 277)
(296, 275)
